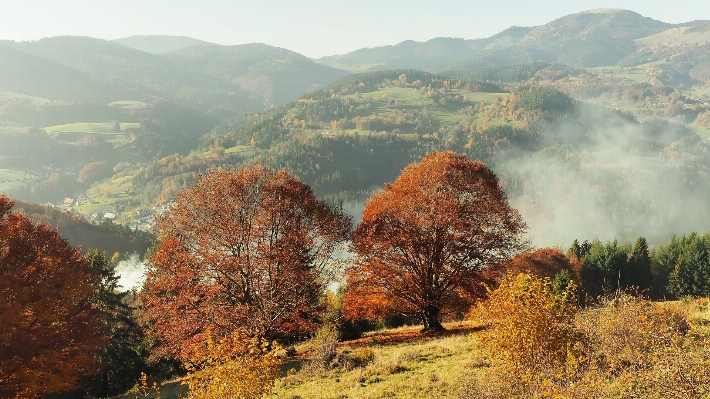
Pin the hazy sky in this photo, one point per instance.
(312, 27)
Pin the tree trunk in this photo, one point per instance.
(430, 317)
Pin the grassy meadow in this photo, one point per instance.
(11, 179)
(403, 363)
(76, 132)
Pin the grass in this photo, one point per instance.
(406, 364)
(239, 149)
(403, 363)
(11, 179)
(129, 105)
(31, 99)
(76, 132)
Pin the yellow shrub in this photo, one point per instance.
(532, 328)
(237, 367)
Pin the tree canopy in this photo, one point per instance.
(426, 241)
(50, 328)
(248, 248)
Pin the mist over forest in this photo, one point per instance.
(611, 177)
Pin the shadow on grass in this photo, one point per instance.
(410, 335)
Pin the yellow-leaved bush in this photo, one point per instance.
(531, 328)
(240, 366)
(626, 347)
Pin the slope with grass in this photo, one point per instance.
(403, 363)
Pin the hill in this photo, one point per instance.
(461, 364)
(587, 39)
(158, 44)
(151, 76)
(358, 133)
(405, 55)
(275, 74)
(107, 237)
(29, 74)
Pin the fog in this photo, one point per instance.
(131, 272)
(604, 175)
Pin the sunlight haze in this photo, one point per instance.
(314, 28)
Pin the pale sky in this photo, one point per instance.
(311, 27)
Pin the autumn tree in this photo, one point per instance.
(427, 240)
(248, 248)
(49, 329)
(543, 262)
(532, 326)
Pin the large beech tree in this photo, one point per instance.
(49, 328)
(427, 241)
(248, 248)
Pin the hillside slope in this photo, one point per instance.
(79, 232)
(278, 75)
(158, 44)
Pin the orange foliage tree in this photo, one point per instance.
(426, 241)
(49, 329)
(248, 249)
(543, 262)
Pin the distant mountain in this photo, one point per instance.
(99, 58)
(408, 54)
(29, 74)
(587, 39)
(209, 77)
(152, 75)
(158, 44)
(276, 74)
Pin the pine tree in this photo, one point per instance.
(639, 269)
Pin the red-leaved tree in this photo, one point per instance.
(242, 249)
(49, 329)
(543, 262)
(426, 241)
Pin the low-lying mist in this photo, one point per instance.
(131, 272)
(602, 174)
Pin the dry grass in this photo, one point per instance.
(394, 363)
(403, 363)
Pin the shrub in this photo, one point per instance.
(627, 333)
(628, 347)
(324, 347)
(532, 328)
(360, 357)
(239, 366)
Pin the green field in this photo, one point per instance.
(76, 132)
(104, 196)
(388, 99)
(127, 105)
(11, 95)
(11, 179)
(239, 149)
